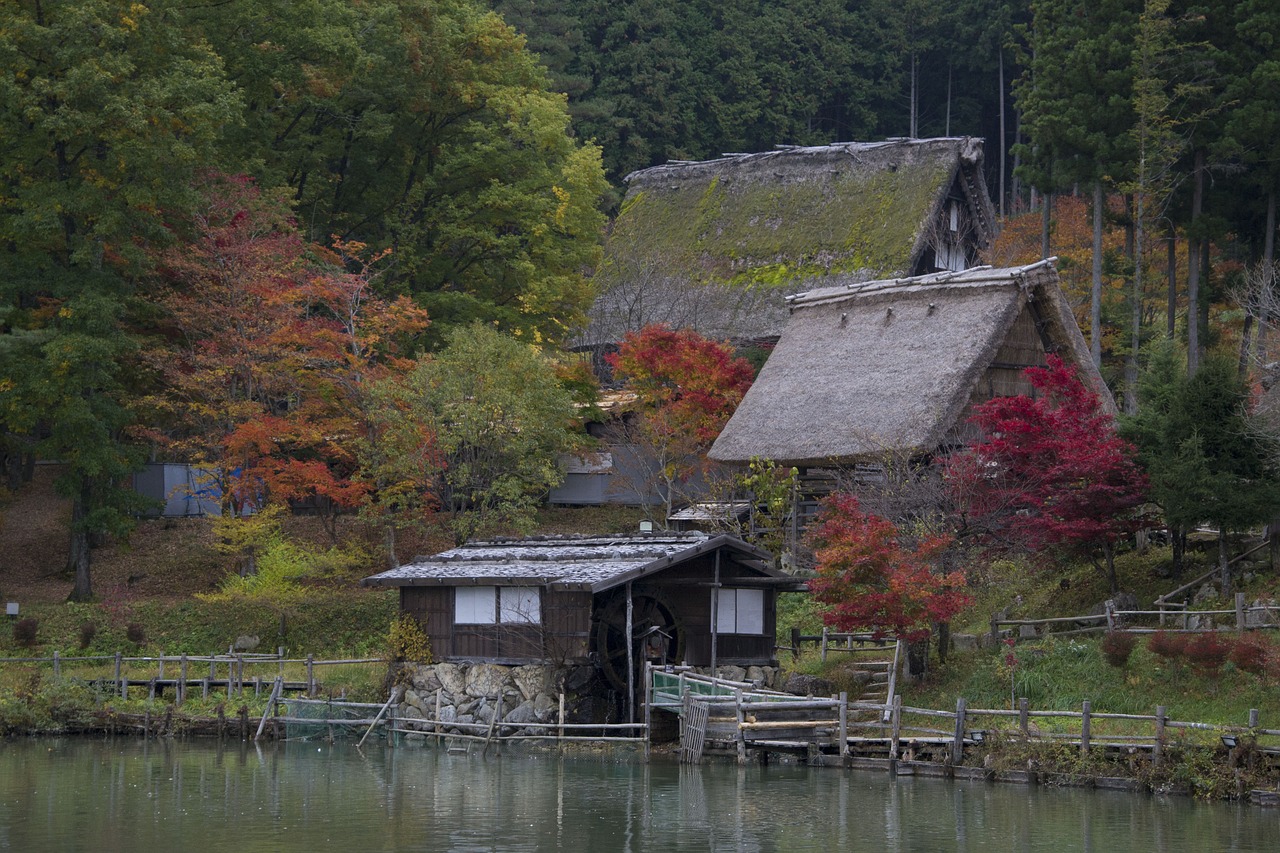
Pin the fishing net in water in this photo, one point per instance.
(316, 719)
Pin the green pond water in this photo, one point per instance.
(129, 795)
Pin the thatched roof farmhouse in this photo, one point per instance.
(896, 366)
(713, 246)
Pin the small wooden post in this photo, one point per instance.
(181, 692)
(119, 681)
(57, 664)
(1084, 728)
(795, 642)
(1239, 611)
(844, 724)
(439, 726)
(160, 670)
(204, 688)
(824, 643)
(896, 735)
(239, 665)
(257, 686)
(1023, 717)
(1157, 751)
(742, 733)
(1253, 718)
(311, 677)
(957, 741)
(151, 689)
(1111, 614)
(995, 629)
(280, 659)
(648, 706)
(560, 721)
(213, 669)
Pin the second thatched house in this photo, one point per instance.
(896, 366)
(713, 246)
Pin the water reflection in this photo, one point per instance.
(126, 795)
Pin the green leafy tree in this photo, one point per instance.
(426, 127)
(471, 435)
(1207, 461)
(107, 108)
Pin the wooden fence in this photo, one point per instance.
(1112, 619)
(232, 674)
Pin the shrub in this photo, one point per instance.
(1117, 646)
(407, 642)
(1250, 653)
(135, 633)
(1168, 646)
(88, 630)
(25, 631)
(1207, 652)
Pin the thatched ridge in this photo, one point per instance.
(713, 245)
(896, 365)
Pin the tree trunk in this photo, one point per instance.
(389, 537)
(918, 658)
(79, 556)
(1004, 141)
(1095, 292)
(1223, 567)
(1268, 278)
(1131, 369)
(1193, 268)
(1109, 552)
(1172, 320)
(944, 640)
(1046, 218)
(1178, 539)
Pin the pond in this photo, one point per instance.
(73, 794)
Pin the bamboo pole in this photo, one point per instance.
(1022, 717)
(271, 701)
(742, 740)
(844, 724)
(1085, 728)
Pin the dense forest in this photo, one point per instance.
(269, 236)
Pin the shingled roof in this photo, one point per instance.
(896, 365)
(569, 562)
(714, 245)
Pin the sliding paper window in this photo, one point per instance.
(487, 605)
(740, 611)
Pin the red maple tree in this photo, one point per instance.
(1050, 471)
(686, 387)
(871, 581)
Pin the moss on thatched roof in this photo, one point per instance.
(747, 228)
(892, 366)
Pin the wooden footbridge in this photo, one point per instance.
(725, 717)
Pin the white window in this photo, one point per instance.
(740, 611)
(488, 605)
(520, 604)
(475, 605)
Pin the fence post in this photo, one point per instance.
(995, 629)
(795, 642)
(1111, 614)
(1084, 729)
(439, 726)
(57, 664)
(1157, 751)
(824, 643)
(1023, 717)
(560, 730)
(160, 671)
(311, 677)
(896, 734)
(239, 665)
(1239, 611)
(742, 734)
(844, 723)
(957, 741)
(181, 693)
(119, 682)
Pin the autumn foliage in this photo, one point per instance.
(1050, 471)
(871, 581)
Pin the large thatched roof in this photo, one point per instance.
(894, 366)
(714, 245)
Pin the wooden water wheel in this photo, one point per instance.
(648, 611)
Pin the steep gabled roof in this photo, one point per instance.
(713, 245)
(571, 562)
(870, 367)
